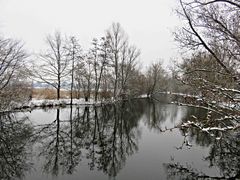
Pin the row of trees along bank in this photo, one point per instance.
(110, 69)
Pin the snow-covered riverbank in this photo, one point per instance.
(42, 103)
(61, 102)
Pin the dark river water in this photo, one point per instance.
(129, 140)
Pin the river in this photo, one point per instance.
(138, 139)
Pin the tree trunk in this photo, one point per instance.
(58, 92)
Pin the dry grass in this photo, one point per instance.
(49, 93)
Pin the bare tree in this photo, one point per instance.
(103, 63)
(84, 76)
(117, 39)
(201, 71)
(213, 27)
(54, 65)
(123, 57)
(13, 80)
(74, 56)
(136, 85)
(212, 35)
(93, 57)
(156, 78)
(12, 56)
(99, 55)
(129, 57)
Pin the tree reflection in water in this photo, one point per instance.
(57, 146)
(14, 146)
(157, 114)
(224, 153)
(104, 135)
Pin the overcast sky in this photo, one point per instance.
(148, 23)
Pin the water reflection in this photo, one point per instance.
(14, 146)
(56, 144)
(157, 114)
(105, 137)
(224, 153)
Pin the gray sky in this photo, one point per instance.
(148, 23)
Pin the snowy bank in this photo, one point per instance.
(35, 103)
(60, 102)
(43, 103)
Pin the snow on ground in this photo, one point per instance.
(34, 103)
(53, 102)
